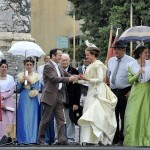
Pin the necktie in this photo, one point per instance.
(84, 69)
(113, 79)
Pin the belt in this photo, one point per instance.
(121, 89)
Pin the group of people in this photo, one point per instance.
(115, 111)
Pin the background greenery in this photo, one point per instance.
(98, 15)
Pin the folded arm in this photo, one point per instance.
(8, 94)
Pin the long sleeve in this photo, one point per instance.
(132, 78)
(34, 89)
(98, 76)
(20, 87)
(35, 86)
(7, 94)
(50, 73)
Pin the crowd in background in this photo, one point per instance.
(110, 103)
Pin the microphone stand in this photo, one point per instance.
(16, 80)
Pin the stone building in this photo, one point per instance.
(15, 25)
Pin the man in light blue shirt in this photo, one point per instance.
(118, 77)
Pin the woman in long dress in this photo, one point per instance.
(7, 86)
(98, 122)
(28, 105)
(137, 115)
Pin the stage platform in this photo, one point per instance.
(11, 147)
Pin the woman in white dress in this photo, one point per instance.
(98, 122)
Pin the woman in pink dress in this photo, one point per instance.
(7, 86)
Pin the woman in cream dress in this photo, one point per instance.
(98, 122)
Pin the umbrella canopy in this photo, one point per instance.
(137, 33)
(26, 49)
(1, 56)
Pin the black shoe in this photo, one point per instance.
(120, 143)
(6, 140)
(74, 143)
(115, 142)
(90, 144)
(101, 144)
(61, 143)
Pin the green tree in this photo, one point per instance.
(98, 15)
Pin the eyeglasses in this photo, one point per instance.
(29, 64)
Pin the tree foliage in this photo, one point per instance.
(98, 15)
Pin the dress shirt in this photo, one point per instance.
(58, 73)
(84, 69)
(40, 73)
(122, 74)
(66, 69)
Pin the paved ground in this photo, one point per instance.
(70, 148)
(74, 147)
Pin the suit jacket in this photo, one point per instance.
(73, 90)
(51, 83)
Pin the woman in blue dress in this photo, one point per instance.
(27, 112)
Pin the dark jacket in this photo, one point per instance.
(84, 88)
(73, 91)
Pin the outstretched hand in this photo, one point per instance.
(82, 77)
(73, 78)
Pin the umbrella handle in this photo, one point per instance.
(26, 74)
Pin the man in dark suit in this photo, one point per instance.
(53, 77)
(72, 97)
(84, 87)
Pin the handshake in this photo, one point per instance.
(75, 78)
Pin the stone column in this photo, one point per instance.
(15, 25)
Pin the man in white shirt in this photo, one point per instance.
(118, 77)
(54, 76)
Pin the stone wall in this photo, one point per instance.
(15, 16)
(15, 25)
(7, 39)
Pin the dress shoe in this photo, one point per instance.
(61, 143)
(120, 143)
(74, 143)
(42, 143)
(90, 144)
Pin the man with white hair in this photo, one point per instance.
(71, 98)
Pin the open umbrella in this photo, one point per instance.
(137, 33)
(26, 49)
